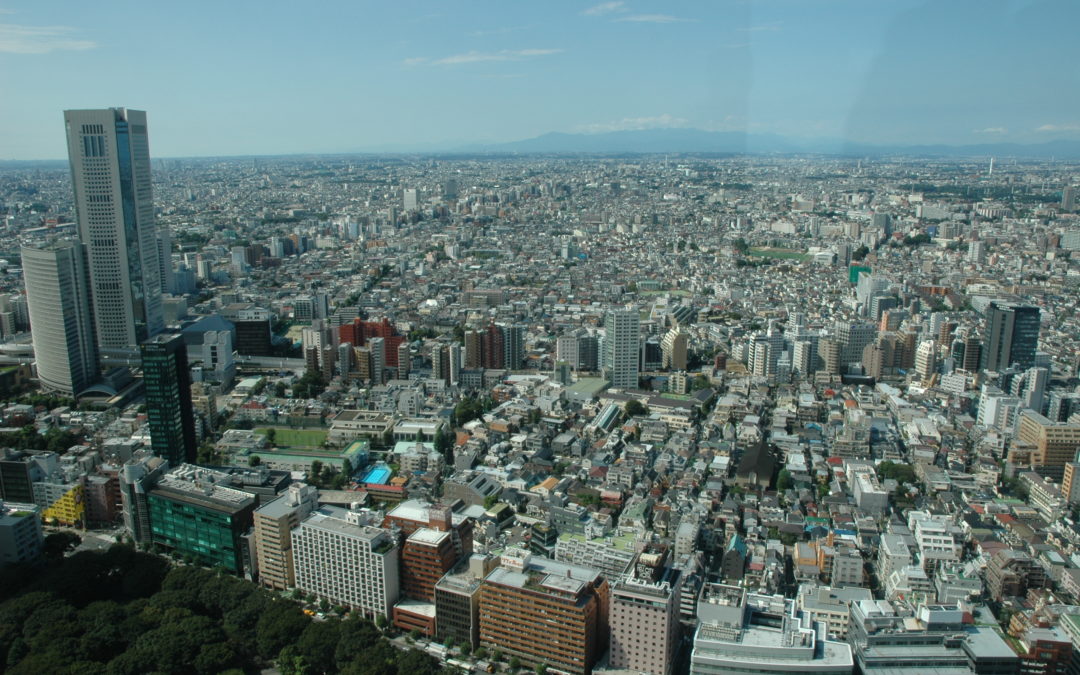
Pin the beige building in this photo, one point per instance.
(273, 523)
(644, 623)
(1053, 444)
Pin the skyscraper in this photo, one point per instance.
(621, 348)
(110, 172)
(168, 398)
(1012, 333)
(62, 324)
(513, 346)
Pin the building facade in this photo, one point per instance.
(109, 153)
(168, 398)
(274, 523)
(61, 321)
(621, 348)
(545, 612)
(345, 562)
(192, 515)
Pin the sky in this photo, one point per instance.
(240, 77)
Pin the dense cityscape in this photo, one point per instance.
(622, 413)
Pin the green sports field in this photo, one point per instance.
(296, 438)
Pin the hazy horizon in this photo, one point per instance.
(246, 79)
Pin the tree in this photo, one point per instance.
(59, 543)
(490, 501)
(254, 460)
(317, 645)
(316, 471)
(444, 444)
(515, 663)
(279, 390)
(635, 408)
(783, 481)
(271, 435)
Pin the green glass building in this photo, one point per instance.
(192, 515)
(168, 398)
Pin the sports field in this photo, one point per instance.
(296, 438)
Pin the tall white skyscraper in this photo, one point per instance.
(621, 348)
(61, 321)
(109, 154)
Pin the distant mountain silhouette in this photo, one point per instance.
(724, 142)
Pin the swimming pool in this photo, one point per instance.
(380, 475)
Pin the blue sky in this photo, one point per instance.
(241, 77)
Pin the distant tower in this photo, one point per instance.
(109, 154)
(513, 346)
(622, 328)
(62, 325)
(1068, 198)
(168, 398)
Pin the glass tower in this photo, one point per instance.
(1012, 333)
(168, 398)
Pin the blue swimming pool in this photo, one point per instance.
(380, 475)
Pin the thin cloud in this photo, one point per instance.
(16, 39)
(762, 28)
(1050, 128)
(482, 57)
(652, 18)
(665, 121)
(990, 130)
(605, 8)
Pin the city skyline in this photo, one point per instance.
(373, 78)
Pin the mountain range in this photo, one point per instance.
(737, 142)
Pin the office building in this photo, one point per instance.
(109, 154)
(852, 338)
(425, 557)
(742, 632)
(1052, 444)
(137, 477)
(347, 563)
(192, 514)
(926, 360)
(545, 612)
(644, 622)
(830, 606)
(274, 523)
(21, 538)
(492, 347)
(457, 600)
(892, 639)
(621, 347)
(513, 346)
(1012, 333)
(414, 514)
(168, 398)
(62, 324)
(673, 349)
